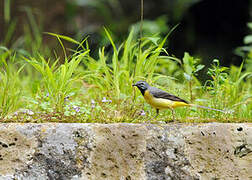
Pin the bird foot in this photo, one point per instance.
(171, 121)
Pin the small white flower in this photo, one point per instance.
(28, 111)
(104, 100)
(76, 108)
(92, 101)
(142, 113)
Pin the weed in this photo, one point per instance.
(10, 86)
(87, 89)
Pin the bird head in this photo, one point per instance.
(141, 85)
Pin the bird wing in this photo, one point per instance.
(158, 93)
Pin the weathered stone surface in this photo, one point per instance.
(125, 151)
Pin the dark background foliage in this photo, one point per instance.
(208, 28)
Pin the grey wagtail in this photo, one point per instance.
(160, 99)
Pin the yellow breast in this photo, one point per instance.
(160, 103)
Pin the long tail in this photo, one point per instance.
(204, 107)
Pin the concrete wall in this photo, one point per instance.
(125, 151)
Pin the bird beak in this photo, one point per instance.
(134, 85)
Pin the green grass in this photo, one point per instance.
(43, 87)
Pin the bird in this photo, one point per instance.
(160, 99)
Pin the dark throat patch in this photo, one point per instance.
(142, 91)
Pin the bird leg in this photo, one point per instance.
(157, 113)
(173, 114)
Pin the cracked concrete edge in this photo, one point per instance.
(126, 151)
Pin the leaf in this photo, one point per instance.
(63, 37)
(223, 69)
(187, 65)
(250, 25)
(199, 67)
(248, 39)
(216, 61)
(154, 40)
(4, 48)
(187, 77)
(111, 40)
